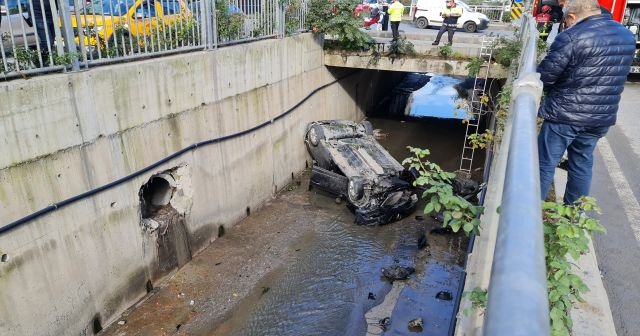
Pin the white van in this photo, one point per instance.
(427, 13)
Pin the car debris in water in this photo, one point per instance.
(348, 162)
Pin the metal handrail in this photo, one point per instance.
(517, 302)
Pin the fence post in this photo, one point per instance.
(69, 36)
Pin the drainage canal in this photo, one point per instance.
(335, 285)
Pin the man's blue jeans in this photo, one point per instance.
(579, 142)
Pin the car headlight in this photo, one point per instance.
(355, 189)
(313, 136)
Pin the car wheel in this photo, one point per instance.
(355, 191)
(368, 128)
(422, 23)
(315, 135)
(470, 27)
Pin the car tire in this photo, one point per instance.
(368, 128)
(422, 23)
(315, 135)
(470, 27)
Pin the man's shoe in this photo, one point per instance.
(435, 43)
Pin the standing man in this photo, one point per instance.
(584, 75)
(450, 17)
(395, 16)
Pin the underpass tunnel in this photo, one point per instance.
(426, 111)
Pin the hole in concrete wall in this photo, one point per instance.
(4, 257)
(160, 199)
(97, 324)
(114, 204)
(248, 211)
(221, 231)
(293, 177)
(156, 194)
(149, 286)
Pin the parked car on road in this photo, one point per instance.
(102, 19)
(427, 14)
(351, 164)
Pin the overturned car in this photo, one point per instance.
(351, 164)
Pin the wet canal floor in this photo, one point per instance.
(300, 266)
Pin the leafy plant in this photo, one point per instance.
(401, 47)
(457, 212)
(336, 18)
(478, 298)
(292, 16)
(567, 229)
(230, 24)
(474, 66)
(481, 140)
(445, 51)
(507, 50)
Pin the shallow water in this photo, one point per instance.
(326, 289)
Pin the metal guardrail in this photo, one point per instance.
(517, 302)
(494, 13)
(52, 35)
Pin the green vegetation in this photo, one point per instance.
(481, 140)
(401, 47)
(474, 66)
(567, 230)
(336, 18)
(457, 212)
(230, 25)
(478, 298)
(507, 50)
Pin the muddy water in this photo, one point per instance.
(336, 277)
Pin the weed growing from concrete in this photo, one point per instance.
(567, 230)
(457, 212)
(478, 299)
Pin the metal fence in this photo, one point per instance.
(494, 13)
(517, 303)
(52, 35)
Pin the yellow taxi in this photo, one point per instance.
(112, 22)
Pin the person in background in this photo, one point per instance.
(395, 16)
(583, 74)
(385, 15)
(543, 21)
(450, 16)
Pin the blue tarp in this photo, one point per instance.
(439, 99)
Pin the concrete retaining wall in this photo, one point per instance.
(74, 270)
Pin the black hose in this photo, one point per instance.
(58, 205)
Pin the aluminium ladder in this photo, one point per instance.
(477, 107)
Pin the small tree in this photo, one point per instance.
(336, 18)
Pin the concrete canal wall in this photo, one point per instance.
(72, 271)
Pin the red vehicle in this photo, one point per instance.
(626, 12)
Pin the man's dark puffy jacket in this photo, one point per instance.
(585, 71)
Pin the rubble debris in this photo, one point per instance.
(397, 272)
(384, 323)
(415, 325)
(445, 296)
